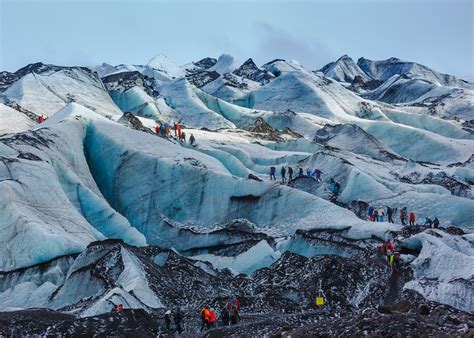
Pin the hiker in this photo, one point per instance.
(403, 215)
(317, 175)
(334, 187)
(381, 214)
(290, 173)
(168, 320)
(300, 172)
(412, 218)
(192, 139)
(391, 259)
(205, 316)
(370, 213)
(390, 212)
(428, 222)
(182, 137)
(283, 174)
(117, 308)
(382, 251)
(157, 128)
(234, 307)
(308, 172)
(224, 317)
(212, 319)
(178, 320)
(389, 248)
(42, 118)
(176, 128)
(375, 215)
(436, 223)
(396, 255)
(272, 173)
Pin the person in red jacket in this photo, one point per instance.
(412, 218)
(43, 118)
(176, 128)
(389, 246)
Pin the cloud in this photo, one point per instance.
(274, 43)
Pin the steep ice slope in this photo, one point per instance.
(181, 96)
(418, 144)
(49, 92)
(12, 121)
(52, 205)
(344, 69)
(385, 69)
(210, 195)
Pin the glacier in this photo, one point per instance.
(97, 209)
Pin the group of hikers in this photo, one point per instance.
(334, 187)
(378, 215)
(164, 129)
(390, 255)
(229, 315)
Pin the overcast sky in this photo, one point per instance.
(437, 33)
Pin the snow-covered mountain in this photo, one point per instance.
(405, 83)
(344, 70)
(97, 209)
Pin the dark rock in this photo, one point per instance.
(202, 78)
(129, 120)
(254, 177)
(384, 309)
(249, 70)
(424, 309)
(123, 81)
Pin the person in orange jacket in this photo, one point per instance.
(205, 317)
(412, 218)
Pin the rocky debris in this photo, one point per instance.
(124, 81)
(359, 208)
(205, 63)
(129, 120)
(358, 84)
(6, 80)
(263, 130)
(202, 78)
(32, 116)
(396, 324)
(261, 126)
(43, 322)
(468, 126)
(249, 70)
(235, 81)
(354, 282)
